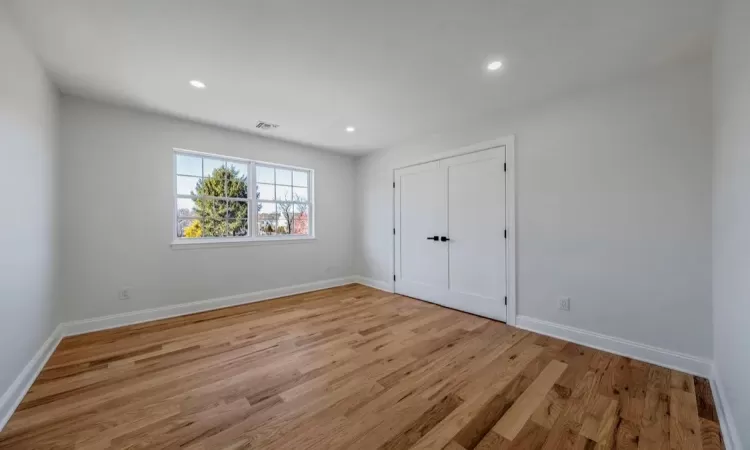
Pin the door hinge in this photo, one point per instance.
(394, 231)
(506, 301)
(505, 167)
(394, 278)
(505, 234)
(394, 185)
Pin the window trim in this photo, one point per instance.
(253, 238)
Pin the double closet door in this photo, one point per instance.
(450, 245)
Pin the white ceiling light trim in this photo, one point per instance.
(350, 129)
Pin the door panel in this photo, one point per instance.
(422, 268)
(462, 198)
(476, 223)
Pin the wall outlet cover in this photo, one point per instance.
(565, 304)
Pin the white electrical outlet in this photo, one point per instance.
(125, 293)
(565, 304)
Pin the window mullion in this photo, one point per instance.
(252, 212)
(175, 221)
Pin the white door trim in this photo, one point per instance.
(510, 221)
(510, 209)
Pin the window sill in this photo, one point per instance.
(187, 244)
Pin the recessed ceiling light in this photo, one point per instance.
(197, 84)
(350, 129)
(494, 65)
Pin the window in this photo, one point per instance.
(214, 201)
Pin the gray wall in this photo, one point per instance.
(613, 203)
(117, 206)
(731, 268)
(29, 224)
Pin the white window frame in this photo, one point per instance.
(252, 200)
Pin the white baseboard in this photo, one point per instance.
(15, 393)
(375, 284)
(726, 420)
(661, 357)
(166, 312)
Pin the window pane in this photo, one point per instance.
(286, 213)
(299, 179)
(265, 192)
(189, 165)
(283, 227)
(284, 176)
(267, 218)
(236, 185)
(266, 228)
(237, 227)
(267, 210)
(187, 185)
(300, 194)
(214, 186)
(210, 165)
(301, 220)
(189, 228)
(264, 174)
(284, 193)
(237, 210)
(213, 227)
(185, 207)
(210, 209)
(238, 167)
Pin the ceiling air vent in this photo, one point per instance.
(265, 125)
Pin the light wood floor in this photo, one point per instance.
(352, 368)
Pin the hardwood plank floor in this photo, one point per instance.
(352, 368)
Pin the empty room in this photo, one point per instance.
(350, 224)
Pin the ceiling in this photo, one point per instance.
(394, 69)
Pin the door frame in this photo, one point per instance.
(510, 210)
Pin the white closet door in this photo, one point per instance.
(421, 263)
(462, 200)
(476, 228)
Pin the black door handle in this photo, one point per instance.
(443, 238)
(434, 238)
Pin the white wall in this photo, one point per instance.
(613, 206)
(29, 223)
(118, 205)
(731, 227)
